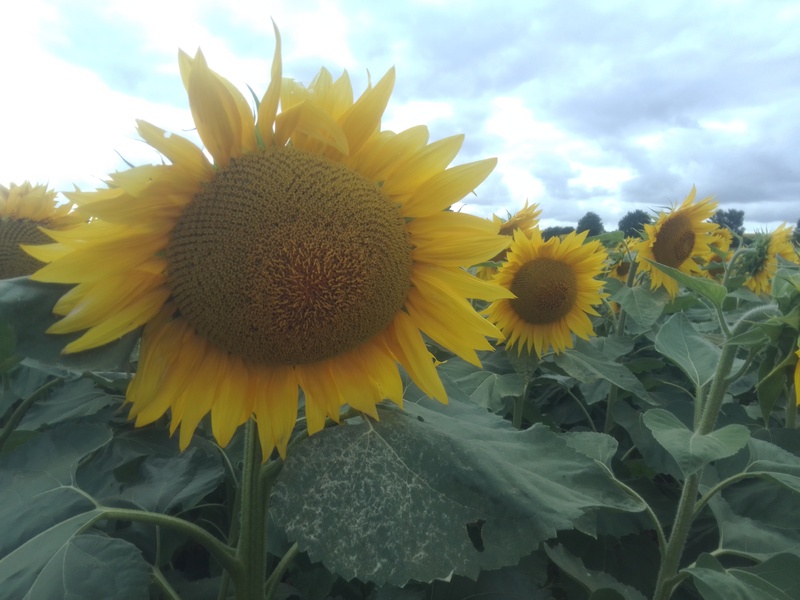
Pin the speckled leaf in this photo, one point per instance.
(705, 287)
(433, 491)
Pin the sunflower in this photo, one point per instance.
(555, 287)
(675, 239)
(310, 254)
(719, 250)
(23, 210)
(619, 264)
(525, 220)
(761, 261)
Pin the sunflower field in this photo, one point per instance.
(281, 366)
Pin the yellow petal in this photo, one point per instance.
(447, 187)
(309, 120)
(268, 107)
(321, 393)
(233, 404)
(275, 405)
(215, 112)
(363, 119)
(406, 343)
(129, 318)
(423, 165)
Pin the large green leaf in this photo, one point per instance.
(679, 341)
(89, 567)
(592, 581)
(587, 364)
(641, 304)
(749, 537)
(40, 507)
(27, 306)
(705, 287)
(774, 579)
(433, 491)
(71, 400)
(690, 450)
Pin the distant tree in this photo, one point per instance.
(632, 224)
(591, 222)
(555, 230)
(732, 219)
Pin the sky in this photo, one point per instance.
(603, 105)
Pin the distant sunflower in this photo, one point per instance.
(619, 264)
(719, 249)
(555, 287)
(309, 255)
(760, 263)
(525, 220)
(23, 210)
(675, 239)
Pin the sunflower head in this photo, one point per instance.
(555, 286)
(675, 239)
(618, 264)
(760, 261)
(312, 254)
(525, 219)
(24, 210)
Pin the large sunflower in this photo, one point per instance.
(761, 262)
(555, 287)
(675, 239)
(310, 254)
(23, 210)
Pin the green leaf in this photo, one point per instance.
(28, 305)
(705, 287)
(679, 341)
(690, 450)
(641, 304)
(71, 400)
(593, 581)
(774, 579)
(587, 365)
(750, 537)
(40, 507)
(433, 491)
(88, 567)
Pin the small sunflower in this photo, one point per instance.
(719, 250)
(525, 220)
(555, 287)
(675, 239)
(23, 210)
(761, 261)
(310, 254)
(619, 264)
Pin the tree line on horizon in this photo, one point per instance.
(632, 224)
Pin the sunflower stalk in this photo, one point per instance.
(251, 551)
(619, 331)
(687, 505)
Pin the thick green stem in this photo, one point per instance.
(519, 406)
(252, 548)
(677, 538)
(688, 501)
(22, 409)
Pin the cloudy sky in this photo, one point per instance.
(594, 105)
